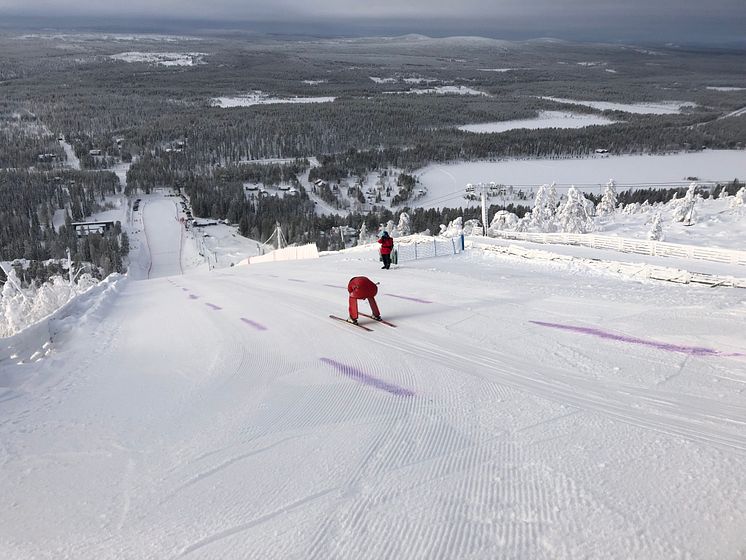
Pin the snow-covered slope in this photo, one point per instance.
(517, 410)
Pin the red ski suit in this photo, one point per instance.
(387, 245)
(361, 287)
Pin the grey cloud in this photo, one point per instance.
(659, 19)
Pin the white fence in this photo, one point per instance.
(435, 247)
(626, 245)
(633, 270)
(287, 254)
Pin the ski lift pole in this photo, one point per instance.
(484, 208)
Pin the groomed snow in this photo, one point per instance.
(546, 119)
(518, 409)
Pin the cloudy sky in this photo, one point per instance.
(655, 20)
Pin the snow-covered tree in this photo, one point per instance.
(453, 229)
(503, 220)
(572, 216)
(608, 203)
(472, 227)
(684, 208)
(21, 307)
(545, 207)
(363, 236)
(404, 227)
(739, 199)
(656, 228)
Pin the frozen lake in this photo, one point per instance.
(445, 183)
(546, 119)
(653, 108)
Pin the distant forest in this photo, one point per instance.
(386, 113)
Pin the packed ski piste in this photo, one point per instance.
(514, 400)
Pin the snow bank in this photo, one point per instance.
(36, 340)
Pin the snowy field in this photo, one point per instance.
(726, 88)
(161, 58)
(260, 98)
(546, 119)
(442, 90)
(445, 183)
(517, 410)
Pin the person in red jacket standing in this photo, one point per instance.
(387, 245)
(361, 287)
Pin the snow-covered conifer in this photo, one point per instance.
(503, 220)
(572, 215)
(739, 200)
(545, 208)
(684, 208)
(608, 203)
(656, 229)
(404, 226)
(472, 227)
(363, 236)
(454, 228)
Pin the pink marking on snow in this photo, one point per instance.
(367, 379)
(692, 350)
(215, 307)
(257, 326)
(418, 300)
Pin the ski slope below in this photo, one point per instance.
(517, 410)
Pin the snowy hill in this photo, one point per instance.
(518, 409)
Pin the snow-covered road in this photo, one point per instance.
(223, 415)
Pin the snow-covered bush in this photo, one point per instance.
(572, 216)
(631, 208)
(472, 227)
(503, 220)
(453, 229)
(21, 307)
(739, 200)
(656, 228)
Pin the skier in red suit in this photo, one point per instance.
(361, 287)
(387, 245)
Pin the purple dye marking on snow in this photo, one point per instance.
(418, 300)
(368, 379)
(254, 324)
(192, 296)
(693, 350)
(215, 307)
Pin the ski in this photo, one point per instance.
(353, 324)
(381, 321)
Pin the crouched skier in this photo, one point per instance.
(361, 287)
